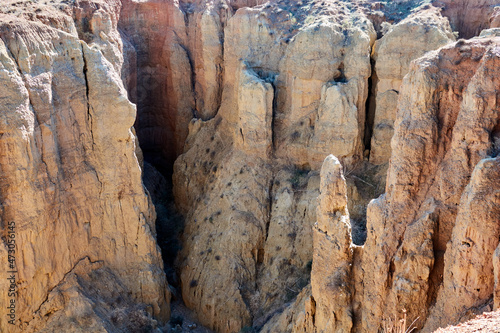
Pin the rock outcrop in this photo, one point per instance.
(475, 137)
(248, 98)
(423, 31)
(290, 125)
(332, 270)
(495, 18)
(158, 76)
(248, 180)
(175, 70)
(70, 181)
(432, 236)
(446, 123)
(468, 279)
(322, 307)
(468, 17)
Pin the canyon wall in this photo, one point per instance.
(432, 236)
(392, 54)
(71, 190)
(293, 88)
(239, 102)
(468, 17)
(408, 227)
(248, 180)
(281, 113)
(443, 130)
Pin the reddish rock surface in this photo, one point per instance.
(468, 17)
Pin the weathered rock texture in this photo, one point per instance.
(495, 18)
(410, 39)
(248, 98)
(432, 236)
(286, 110)
(474, 137)
(441, 135)
(175, 68)
(468, 281)
(486, 322)
(468, 17)
(275, 88)
(158, 76)
(248, 179)
(446, 123)
(70, 179)
(332, 269)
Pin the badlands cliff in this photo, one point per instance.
(287, 166)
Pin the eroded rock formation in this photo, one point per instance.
(426, 205)
(332, 270)
(468, 17)
(274, 116)
(423, 31)
(248, 98)
(248, 180)
(453, 135)
(70, 179)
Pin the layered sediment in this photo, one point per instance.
(70, 181)
(239, 103)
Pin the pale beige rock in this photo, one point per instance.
(90, 298)
(223, 240)
(410, 39)
(495, 18)
(299, 317)
(468, 281)
(253, 133)
(331, 270)
(439, 138)
(327, 307)
(205, 34)
(249, 198)
(70, 178)
(408, 228)
(401, 264)
(309, 125)
(306, 80)
(233, 212)
(287, 255)
(490, 33)
(413, 264)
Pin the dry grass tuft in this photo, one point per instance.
(399, 326)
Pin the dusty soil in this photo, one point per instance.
(486, 322)
(189, 320)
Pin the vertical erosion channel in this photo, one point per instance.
(147, 36)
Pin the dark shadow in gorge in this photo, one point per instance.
(144, 28)
(169, 223)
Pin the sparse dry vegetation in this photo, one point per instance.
(393, 325)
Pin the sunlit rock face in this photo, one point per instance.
(293, 92)
(70, 179)
(277, 122)
(432, 237)
(423, 31)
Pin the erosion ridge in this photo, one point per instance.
(237, 103)
(71, 182)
